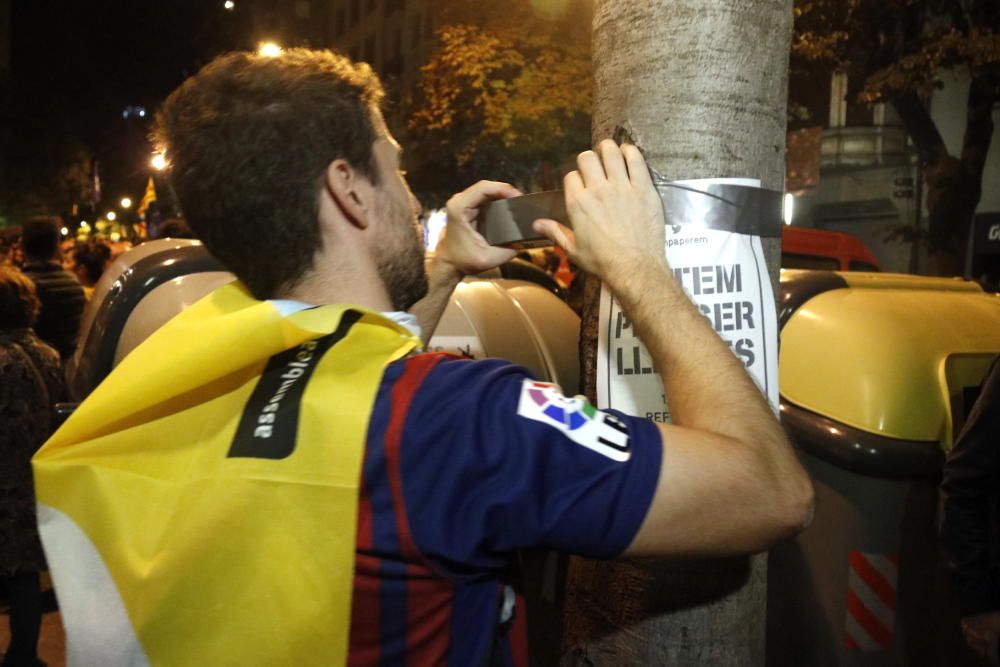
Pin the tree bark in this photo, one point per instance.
(701, 87)
(954, 184)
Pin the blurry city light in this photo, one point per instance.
(64, 231)
(434, 227)
(125, 202)
(115, 237)
(159, 162)
(110, 215)
(788, 210)
(229, 5)
(84, 225)
(133, 111)
(269, 49)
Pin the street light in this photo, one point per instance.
(111, 215)
(269, 49)
(158, 162)
(788, 210)
(126, 202)
(64, 231)
(229, 5)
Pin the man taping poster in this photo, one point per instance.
(278, 477)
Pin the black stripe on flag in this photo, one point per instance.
(269, 426)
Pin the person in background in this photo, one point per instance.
(66, 249)
(30, 384)
(11, 252)
(970, 521)
(89, 262)
(175, 228)
(59, 291)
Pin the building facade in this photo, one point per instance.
(394, 36)
(868, 179)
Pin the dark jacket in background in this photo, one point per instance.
(970, 530)
(30, 384)
(61, 296)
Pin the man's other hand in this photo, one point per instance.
(462, 247)
(982, 633)
(615, 212)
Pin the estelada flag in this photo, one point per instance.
(200, 507)
(148, 197)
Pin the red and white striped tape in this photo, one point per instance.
(871, 601)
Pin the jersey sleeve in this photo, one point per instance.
(494, 461)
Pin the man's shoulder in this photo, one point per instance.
(36, 266)
(443, 373)
(50, 274)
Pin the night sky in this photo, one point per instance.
(76, 65)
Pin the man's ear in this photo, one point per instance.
(351, 191)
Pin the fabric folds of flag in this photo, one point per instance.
(200, 507)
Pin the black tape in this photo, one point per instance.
(738, 209)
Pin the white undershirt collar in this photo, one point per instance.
(287, 306)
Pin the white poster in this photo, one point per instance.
(726, 277)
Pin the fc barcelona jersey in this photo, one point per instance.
(466, 463)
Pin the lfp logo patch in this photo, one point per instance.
(580, 421)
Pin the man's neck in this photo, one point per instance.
(320, 290)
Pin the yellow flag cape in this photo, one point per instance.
(211, 483)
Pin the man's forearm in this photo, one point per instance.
(706, 385)
(442, 278)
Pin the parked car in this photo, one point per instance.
(807, 248)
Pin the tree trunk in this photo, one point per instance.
(701, 87)
(954, 184)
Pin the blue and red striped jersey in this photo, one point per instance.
(468, 462)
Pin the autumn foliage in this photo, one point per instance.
(508, 98)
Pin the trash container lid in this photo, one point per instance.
(513, 319)
(887, 353)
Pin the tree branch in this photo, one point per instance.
(920, 126)
(984, 90)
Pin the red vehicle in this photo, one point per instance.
(805, 248)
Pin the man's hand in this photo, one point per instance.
(729, 482)
(461, 251)
(982, 634)
(615, 211)
(462, 248)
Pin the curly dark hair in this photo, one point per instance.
(248, 140)
(18, 299)
(92, 257)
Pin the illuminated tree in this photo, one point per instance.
(506, 97)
